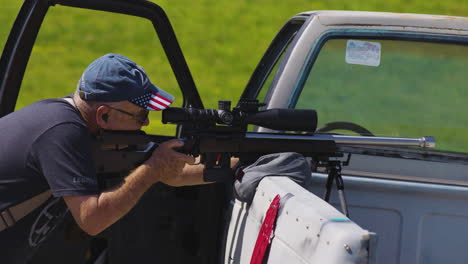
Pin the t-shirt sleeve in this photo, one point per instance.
(64, 156)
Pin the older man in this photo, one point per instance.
(46, 148)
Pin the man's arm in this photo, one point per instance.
(94, 213)
(193, 174)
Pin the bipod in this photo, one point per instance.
(334, 175)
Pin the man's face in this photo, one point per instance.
(122, 116)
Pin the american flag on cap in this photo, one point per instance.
(154, 101)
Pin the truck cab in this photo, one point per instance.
(335, 62)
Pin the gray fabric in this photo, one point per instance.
(288, 164)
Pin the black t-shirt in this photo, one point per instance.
(44, 146)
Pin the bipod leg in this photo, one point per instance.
(341, 194)
(328, 186)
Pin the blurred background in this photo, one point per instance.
(222, 42)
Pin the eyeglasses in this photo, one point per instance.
(141, 118)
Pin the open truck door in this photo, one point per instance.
(169, 225)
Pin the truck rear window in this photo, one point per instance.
(392, 88)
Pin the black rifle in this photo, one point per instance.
(218, 135)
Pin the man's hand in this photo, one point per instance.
(167, 164)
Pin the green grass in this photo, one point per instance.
(222, 42)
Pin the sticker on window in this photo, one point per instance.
(363, 53)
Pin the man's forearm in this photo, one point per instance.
(97, 212)
(112, 204)
(193, 174)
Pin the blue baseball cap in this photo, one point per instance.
(113, 78)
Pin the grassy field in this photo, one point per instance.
(222, 42)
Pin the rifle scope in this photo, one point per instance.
(277, 119)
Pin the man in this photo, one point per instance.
(46, 148)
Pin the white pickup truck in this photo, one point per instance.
(387, 76)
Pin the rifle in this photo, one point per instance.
(217, 135)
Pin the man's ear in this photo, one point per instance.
(102, 116)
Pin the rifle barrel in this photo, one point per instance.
(423, 142)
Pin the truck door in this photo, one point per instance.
(169, 225)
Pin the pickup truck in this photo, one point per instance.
(385, 75)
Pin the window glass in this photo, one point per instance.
(288, 37)
(71, 38)
(392, 88)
